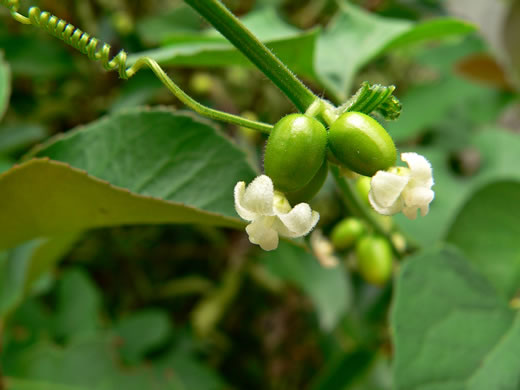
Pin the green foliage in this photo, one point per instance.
(495, 251)
(446, 312)
(209, 48)
(180, 299)
(24, 265)
(355, 37)
(332, 57)
(457, 189)
(329, 290)
(5, 85)
(168, 151)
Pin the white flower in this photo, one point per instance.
(403, 189)
(271, 214)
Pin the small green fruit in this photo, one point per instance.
(347, 232)
(361, 143)
(306, 193)
(295, 151)
(374, 256)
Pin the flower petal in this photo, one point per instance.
(418, 196)
(410, 212)
(386, 188)
(244, 213)
(261, 233)
(299, 221)
(259, 195)
(420, 169)
(391, 210)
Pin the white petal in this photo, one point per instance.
(410, 212)
(261, 233)
(299, 221)
(418, 196)
(244, 213)
(386, 188)
(259, 195)
(390, 210)
(421, 169)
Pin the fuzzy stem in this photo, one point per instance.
(238, 34)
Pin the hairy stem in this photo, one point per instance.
(238, 34)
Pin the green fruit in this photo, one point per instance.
(346, 233)
(310, 189)
(374, 256)
(295, 151)
(361, 143)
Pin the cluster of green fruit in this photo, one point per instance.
(373, 253)
(299, 148)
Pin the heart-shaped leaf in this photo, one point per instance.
(452, 330)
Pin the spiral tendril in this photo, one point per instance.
(90, 46)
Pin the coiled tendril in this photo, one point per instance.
(89, 46)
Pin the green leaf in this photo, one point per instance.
(452, 330)
(329, 289)
(294, 47)
(23, 265)
(19, 136)
(434, 104)
(142, 331)
(487, 231)
(169, 167)
(5, 85)
(54, 58)
(179, 21)
(23, 384)
(451, 191)
(355, 37)
(343, 370)
(79, 303)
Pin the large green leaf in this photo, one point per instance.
(329, 289)
(169, 167)
(452, 331)
(5, 85)
(487, 230)
(499, 158)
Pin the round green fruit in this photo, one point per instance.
(347, 232)
(361, 143)
(295, 151)
(306, 193)
(374, 256)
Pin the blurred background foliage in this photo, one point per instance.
(197, 307)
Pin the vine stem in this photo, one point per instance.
(356, 206)
(88, 45)
(264, 59)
